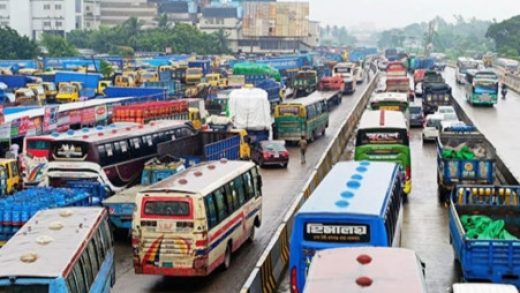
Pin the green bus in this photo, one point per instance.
(307, 117)
(481, 87)
(383, 136)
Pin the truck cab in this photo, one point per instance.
(39, 91)
(68, 92)
(216, 80)
(50, 90)
(102, 85)
(121, 80)
(305, 82)
(26, 97)
(194, 75)
(10, 178)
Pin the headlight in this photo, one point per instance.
(446, 98)
(429, 97)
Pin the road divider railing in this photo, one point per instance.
(504, 174)
(272, 265)
(512, 81)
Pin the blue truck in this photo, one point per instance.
(484, 223)
(156, 93)
(121, 205)
(204, 64)
(14, 82)
(464, 156)
(273, 89)
(173, 87)
(89, 81)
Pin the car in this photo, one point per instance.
(270, 152)
(416, 115)
(431, 127)
(446, 110)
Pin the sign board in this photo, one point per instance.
(337, 232)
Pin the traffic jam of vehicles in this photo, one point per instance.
(171, 161)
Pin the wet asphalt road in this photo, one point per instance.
(280, 188)
(499, 123)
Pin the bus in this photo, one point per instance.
(346, 71)
(114, 157)
(506, 65)
(365, 269)
(463, 65)
(481, 87)
(36, 150)
(190, 223)
(308, 117)
(383, 136)
(391, 101)
(60, 250)
(357, 204)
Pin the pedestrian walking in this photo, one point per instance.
(303, 148)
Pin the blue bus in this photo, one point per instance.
(357, 204)
(60, 250)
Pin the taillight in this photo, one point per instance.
(285, 154)
(408, 173)
(266, 154)
(200, 263)
(294, 287)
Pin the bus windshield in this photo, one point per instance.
(38, 148)
(390, 106)
(167, 208)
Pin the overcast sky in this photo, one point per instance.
(383, 14)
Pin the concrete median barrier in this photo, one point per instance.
(271, 266)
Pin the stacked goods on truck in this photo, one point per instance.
(249, 109)
(435, 92)
(464, 155)
(145, 112)
(17, 209)
(122, 204)
(484, 223)
(273, 88)
(397, 79)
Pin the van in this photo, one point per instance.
(416, 115)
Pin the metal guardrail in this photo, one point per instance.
(270, 268)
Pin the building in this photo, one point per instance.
(115, 12)
(33, 17)
(179, 11)
(226, 19)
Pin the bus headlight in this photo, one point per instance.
(429, 97)
(446, 98)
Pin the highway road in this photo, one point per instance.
(499, 123)
(280, 188)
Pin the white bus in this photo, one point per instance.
(58, 251)
(191, 223)
(463, 65)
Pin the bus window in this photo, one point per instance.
(221, 205)
(167, 208)
(211, 212)
(102, 155)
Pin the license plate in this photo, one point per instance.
(390, 108)
(485, 98)
(277, 156)
(165, 227)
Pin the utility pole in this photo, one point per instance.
(429, 38)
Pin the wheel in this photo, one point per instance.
(284, 165)
(260, 163)
(323, 132)
(251, 237)
(227, 257)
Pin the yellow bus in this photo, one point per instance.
(191, 223)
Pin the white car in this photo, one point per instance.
(446, 110)
(432, 124)
(483, 288)
(358, 73)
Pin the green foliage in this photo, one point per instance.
(182, 38)
(336, 36)
(15, 46)
(463, 37)
(106, 69)
(506, 35)
(58, 46)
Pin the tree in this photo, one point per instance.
(106, 69)
(58, 46)
(163, 21)
(15, 46)
(506, 35)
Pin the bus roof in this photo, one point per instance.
(382, 119)
(201, 179)
(389, 96)
(352, 187)
(337, 270)
(306, 101)
(72, 134)
(53, 247)
(112, 133)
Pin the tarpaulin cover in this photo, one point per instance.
(484, 228)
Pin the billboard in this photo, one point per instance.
(276, 19)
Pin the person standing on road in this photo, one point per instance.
(303, 148)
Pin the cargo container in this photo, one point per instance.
(123, 92)
(16, 81)
(145, 112)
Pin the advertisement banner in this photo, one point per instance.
(5, 131)
(88, 116)
(25, 125)
(101, 113)
(72, 117)
(50, 118)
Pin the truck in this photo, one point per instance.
(122, 92)
(148, 111)
(173, 87)
(6, 96)
(435, 92)
(491, 251)
(304, 83)
(332, 88)
(205, 65)
(14, 82)
(194, 75)
(89, 82)
(274, 89)
(121, 205)
(249, 109)
(464, 156)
